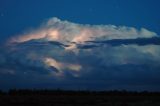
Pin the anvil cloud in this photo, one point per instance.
(64, 31)
(61, 54)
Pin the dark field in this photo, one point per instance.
(78, 98)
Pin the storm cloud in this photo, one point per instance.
(70, 55)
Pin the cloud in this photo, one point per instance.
(61, 53)
(50, 62)
(64, 31)
(67, 32)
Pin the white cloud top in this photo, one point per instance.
(64, 31)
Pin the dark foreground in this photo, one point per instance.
(78, 98)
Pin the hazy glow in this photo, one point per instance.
(54, 63)
(53, 35)
(50, 34)
(27, 37)
(61, 67)
(83, 36)
(74, 67)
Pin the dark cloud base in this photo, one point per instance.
(17, 73)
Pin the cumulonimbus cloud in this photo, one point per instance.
(76, 51)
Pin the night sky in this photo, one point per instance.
(80, 44)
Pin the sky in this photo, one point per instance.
(80, 44)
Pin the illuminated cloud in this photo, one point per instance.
(48, 34)
(53, 63)
(61, 67)
(64, 31)
(83, 55)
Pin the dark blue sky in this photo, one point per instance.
(18, 15)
